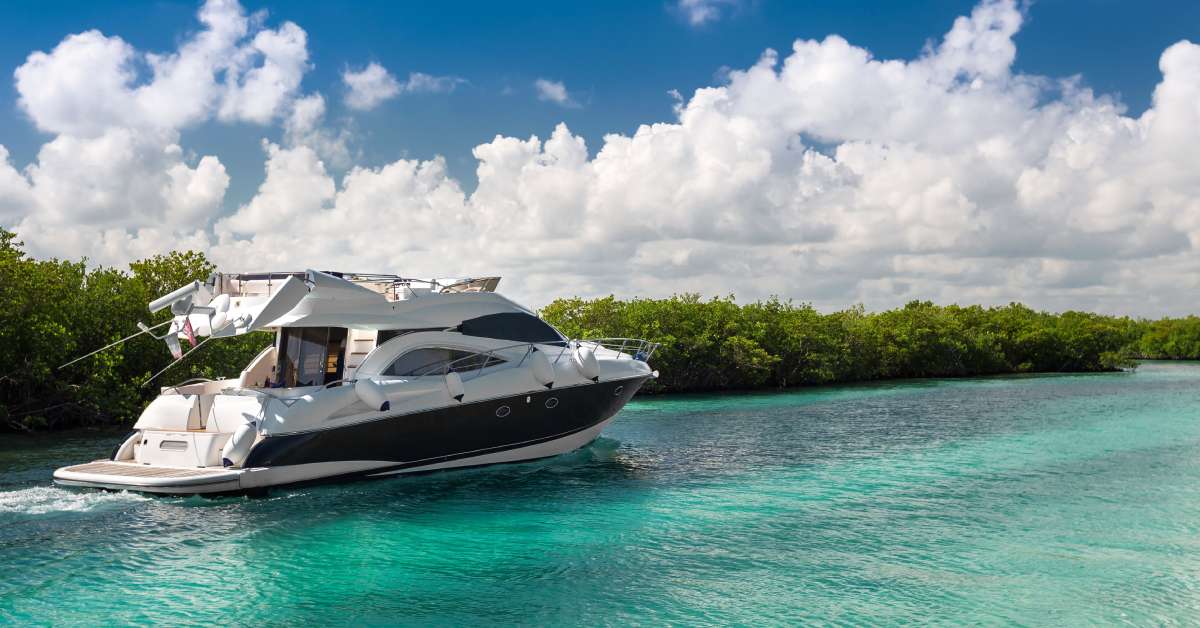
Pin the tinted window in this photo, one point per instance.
(433, 360)
(515, 326)
(385, 335)
(310, 356)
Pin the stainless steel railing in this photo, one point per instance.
(472, 365)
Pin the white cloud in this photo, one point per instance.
(554, 91)
(947, 177)
(15, 195)
(80, 87)
(114, 183)
(701, 12)
(306, 127)
(822, 174)
(371, 86)
(404, 214)
(89, 82)
(261, 92)
(421, 83)
(119, 180)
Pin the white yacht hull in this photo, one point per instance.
(309, 457)
(368, 376)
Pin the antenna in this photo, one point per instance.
(179, 300)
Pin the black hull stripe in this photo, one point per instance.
(452, 433)
(638, 379)
(473, 454)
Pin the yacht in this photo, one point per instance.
(367, 375)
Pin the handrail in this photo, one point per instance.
(644, 350)
(445, 366)
(639, 346)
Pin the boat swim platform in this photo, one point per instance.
(150, 478)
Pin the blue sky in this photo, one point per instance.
(972, 152)
(621, 58)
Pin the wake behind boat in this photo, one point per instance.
(368, 375)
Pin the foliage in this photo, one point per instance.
(1172, 339)
(717, 344)
(52, 311)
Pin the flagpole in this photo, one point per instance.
(194, 349)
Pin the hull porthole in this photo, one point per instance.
(503, 411)
(618, 390)
(552, 403)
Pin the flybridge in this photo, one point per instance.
(232, 304)
(229, 304)
(393, 287)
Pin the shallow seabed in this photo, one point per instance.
(1037, 500)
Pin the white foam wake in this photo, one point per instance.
(48, 499)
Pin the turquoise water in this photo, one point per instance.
(1037, 500)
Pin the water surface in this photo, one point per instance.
(1036, 500)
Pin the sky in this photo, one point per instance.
(833, 153)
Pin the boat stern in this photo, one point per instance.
(133, 476)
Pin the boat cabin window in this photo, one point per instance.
(310, 356)
(432, 360)
(515, 326)
(385, 335)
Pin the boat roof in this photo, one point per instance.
(229, 304)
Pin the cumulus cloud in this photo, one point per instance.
(822, 173)
(259, 92)
(89, 82)
(371, 86)
(15, 195)
(387, 217)
(306, 126)
(554, 91)
(114, 182)
(830, 175)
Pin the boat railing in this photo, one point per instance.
(393, 287)
(636, 348)
(473, 364)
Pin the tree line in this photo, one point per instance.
(716, 344)
(52, 311)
